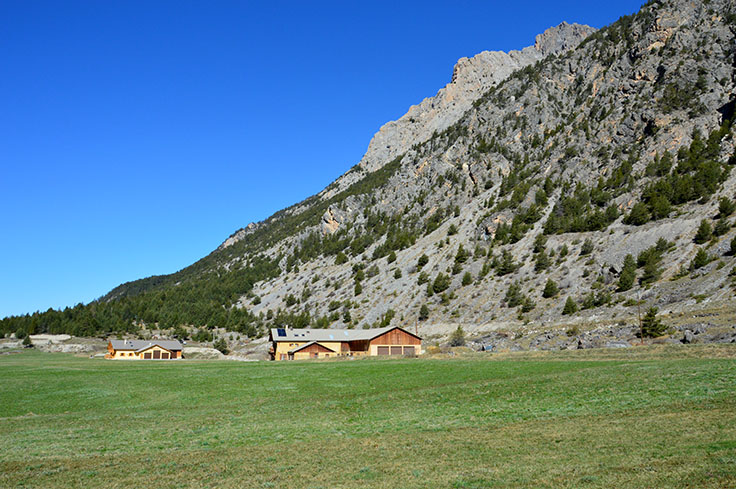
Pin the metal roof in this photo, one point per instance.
(288, 334)
(139, 345)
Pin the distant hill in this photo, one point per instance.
(559, 184)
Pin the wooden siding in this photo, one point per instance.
(396, 337)
(316, 348)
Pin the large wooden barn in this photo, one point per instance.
(297, 344)
(143, 349)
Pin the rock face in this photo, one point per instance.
(331, 220)
(471, 78)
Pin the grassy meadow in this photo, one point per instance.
(644, 417)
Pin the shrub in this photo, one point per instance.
(550, 289)
(423, 278)
(570, 307)
(397, 274)
(513, 295)
(651, 326)
(423, 260)
(701, 259)
(221, 346)
(458, 337)
(462, 255)
(27, 341)
(506, 265)
(341, 258)
(587, 247)
(467, 279)
(358, 289)
(541, 261)
(726, 207)
(391, 257)
(452, 230)
(441, 283)
(527, 304)
(539, 243)
(722, 227)
(732, 251)
(424, 312)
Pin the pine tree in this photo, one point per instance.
(570, 307)
(550, 289)
(701, 259)
(651, 326)
(628, 274)
(704, 233)
(541, 261)
(424, 312)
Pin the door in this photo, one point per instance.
(383, 350)
(409, 350)
(147, 356)
(156, 354)
(396, 350)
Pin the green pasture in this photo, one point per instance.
(643, 417)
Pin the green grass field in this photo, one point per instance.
(654, 417)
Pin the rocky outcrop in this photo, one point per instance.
(238, 235)
(471, 78)
(331, 220)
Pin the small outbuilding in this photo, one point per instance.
(143, 349)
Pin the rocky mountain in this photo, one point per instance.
(540, 200)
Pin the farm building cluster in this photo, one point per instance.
(143, 349)
(298, 344)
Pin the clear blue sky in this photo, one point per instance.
(136, 136)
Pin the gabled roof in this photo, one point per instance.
(140, 345)
(288, 334)
(306, 345)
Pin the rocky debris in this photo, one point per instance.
(201, 353)
(66, 348)
(39, 339)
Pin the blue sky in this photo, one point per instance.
(136, 136)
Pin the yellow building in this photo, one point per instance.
(143, 349)
(297, 344)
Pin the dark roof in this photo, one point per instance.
(288, 334)
(308, 345)
(139, 345)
